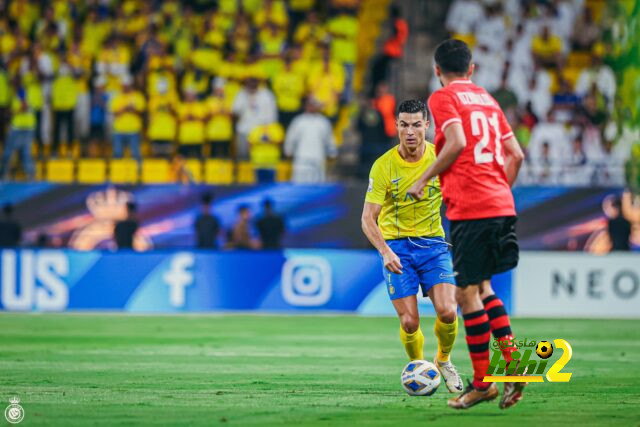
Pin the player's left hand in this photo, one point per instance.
(417, 190)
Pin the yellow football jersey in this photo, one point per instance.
(402, 216)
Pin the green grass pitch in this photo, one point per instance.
(86, 369)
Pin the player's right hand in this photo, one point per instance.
(417, 190)
(392, 262)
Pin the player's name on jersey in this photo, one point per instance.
(472, 98)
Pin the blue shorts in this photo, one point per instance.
(425, 262)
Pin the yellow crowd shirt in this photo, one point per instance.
(401, 216)
(219, 126)
(192, 116)
(277, 14)
(546, 48)
(265, 143)
(64, 93)
(162, 123)
(301, 5)
(289, 89)
(193, 81)
(272, 43)
(128, 122)
(35, 97)
(326, 89)
(22, 119)
(161, 82)
(5, 90)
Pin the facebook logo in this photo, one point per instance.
(178, 277)
(306, 281)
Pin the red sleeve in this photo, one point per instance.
(505, 128)
(443, 109)
(402, 30)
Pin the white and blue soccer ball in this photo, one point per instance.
(420, 378)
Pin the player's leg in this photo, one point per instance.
(434, 266)
(446, 329)
(410, 332)
(505, 257)
(471, 258)
(501, 329)
(498, 319)
(435, 270)
(476, 323)
(506, 254)
(402, 290)
(443, 297)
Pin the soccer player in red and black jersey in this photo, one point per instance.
(478, 159)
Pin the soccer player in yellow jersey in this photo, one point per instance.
(409, 236)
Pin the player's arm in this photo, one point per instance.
(513, 159)
(453, 147)
(370, 228)
(629, 211)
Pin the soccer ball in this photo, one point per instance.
(420, 378)
(544, 349)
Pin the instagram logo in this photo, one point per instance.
(306, 281)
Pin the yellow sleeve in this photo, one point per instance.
(378, 184)
(276, 133)
(116, 104)
(140, 103)
(255, 136)
(202, 110)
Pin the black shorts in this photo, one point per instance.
(483, 247)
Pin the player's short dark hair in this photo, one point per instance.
(412, 106)
(453, 56)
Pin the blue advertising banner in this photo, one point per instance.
(195, 281)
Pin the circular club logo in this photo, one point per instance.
(14, 412)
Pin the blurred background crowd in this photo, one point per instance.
(160, 79)
(179, 82)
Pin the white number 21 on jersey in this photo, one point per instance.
(480, 128)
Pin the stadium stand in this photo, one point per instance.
(566, 71)
(551, 66)
(150, 80)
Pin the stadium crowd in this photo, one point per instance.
(225, 79)
(219, 79)
(546, 63)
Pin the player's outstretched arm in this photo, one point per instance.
(453, 147)
(629, 211)
(513, 159)
(370, 228)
